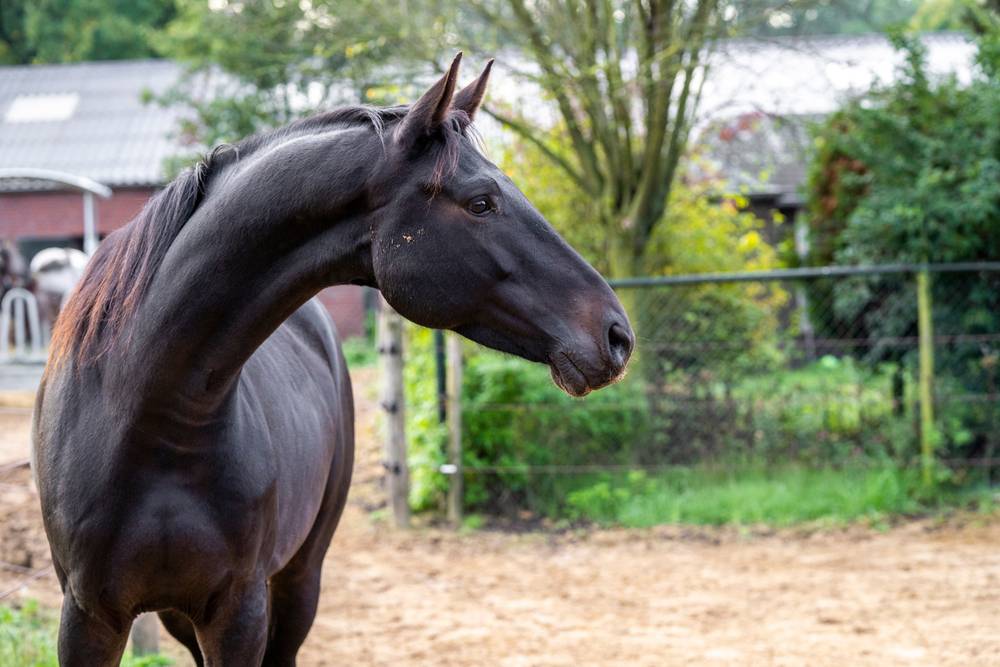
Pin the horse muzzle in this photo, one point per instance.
(579, 369)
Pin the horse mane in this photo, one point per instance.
(119, 274)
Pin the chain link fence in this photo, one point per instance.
(820, 365)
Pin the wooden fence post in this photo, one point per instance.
(390, 351)
(145, 635)
(925, 328)
(455, 429)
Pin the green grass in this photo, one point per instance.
(755, 495)
(359, 352)
(28, 639)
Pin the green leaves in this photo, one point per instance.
(57, 31)
(910, 172)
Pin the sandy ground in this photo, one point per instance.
(925, 593)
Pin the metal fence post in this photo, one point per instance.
(925, 328)
(455, 429)
(390, 351)
(20, 309)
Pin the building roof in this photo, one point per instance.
(89, 119)
(762, 95)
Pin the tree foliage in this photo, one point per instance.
(700, 231)
(259, 64)
(57, 31)
(835, 17)
(910, 172)
(625, 79)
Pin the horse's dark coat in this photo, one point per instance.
(194, 431)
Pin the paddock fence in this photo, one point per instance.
(817, 367)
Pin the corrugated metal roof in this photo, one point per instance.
(111, 136)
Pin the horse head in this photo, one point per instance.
(458, 246)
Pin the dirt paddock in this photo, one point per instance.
(924, 593)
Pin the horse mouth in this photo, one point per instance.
(568, 376)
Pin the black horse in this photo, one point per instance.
(193, 437)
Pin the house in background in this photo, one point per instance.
(89, 119)
(763, 95)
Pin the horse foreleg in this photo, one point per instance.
(234, 634)
(88, 641)
(294, 598)
(182, 629)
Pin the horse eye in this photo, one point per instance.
(480, 206)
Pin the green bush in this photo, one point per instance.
(513, 418)
(427, 437)
(359, 352)
(910, 172)
(28, 639)
(835, 440)
(827, 412)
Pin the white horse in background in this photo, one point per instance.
(55, 272)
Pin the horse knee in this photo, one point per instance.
(88, 641)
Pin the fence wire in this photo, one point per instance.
(818, 367)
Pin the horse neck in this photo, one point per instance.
(270, 233)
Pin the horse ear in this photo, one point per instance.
(427, 114)
(469, 98)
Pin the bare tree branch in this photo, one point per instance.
(530, 133)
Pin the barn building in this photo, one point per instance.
(93, 120)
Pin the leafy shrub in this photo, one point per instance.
(28, 639)
(833, 440)
(513, 418)
(911, 173)
(427, 437)
(828, 412)
(359, 352)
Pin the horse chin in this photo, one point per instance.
(567, 376)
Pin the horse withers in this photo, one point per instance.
(193, 438)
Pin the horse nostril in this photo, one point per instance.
(619, 344)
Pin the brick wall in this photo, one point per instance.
(35, 215)
(45, 214)
(346, 304)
